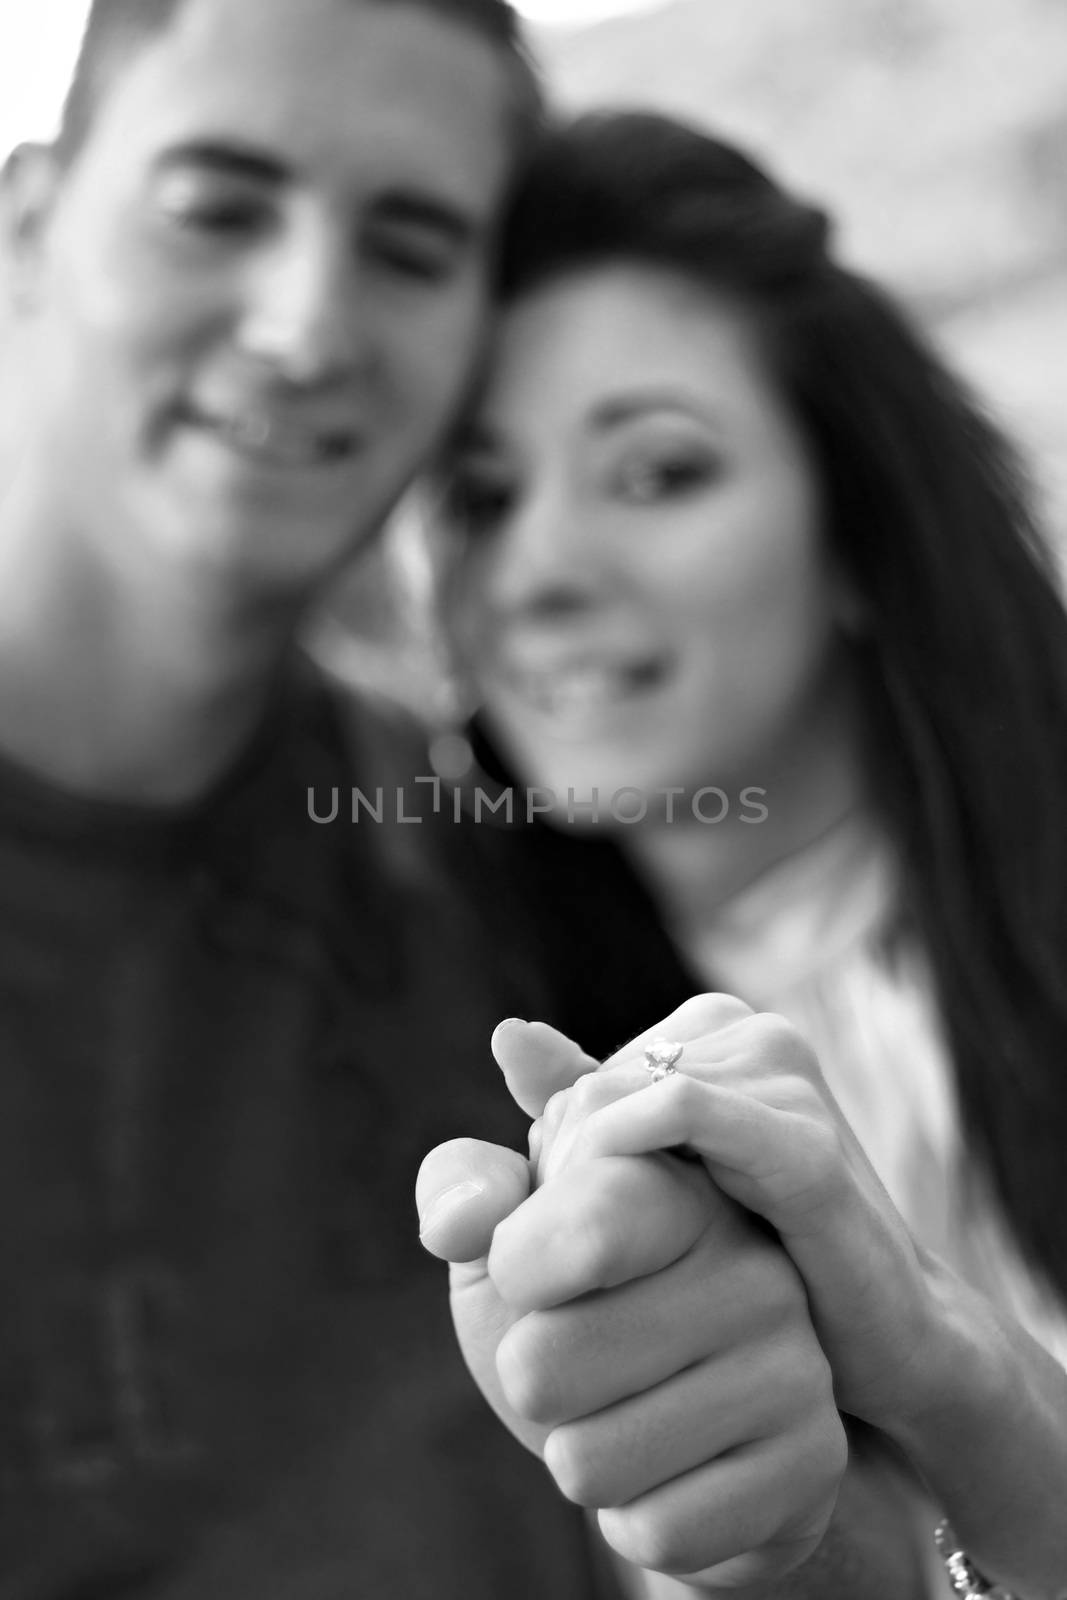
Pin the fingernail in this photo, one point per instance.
(508, 1022)
(446, 1204)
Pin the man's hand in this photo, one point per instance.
(647, 1337)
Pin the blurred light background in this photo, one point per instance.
(936, 130)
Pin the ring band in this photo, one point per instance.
(661, 1057)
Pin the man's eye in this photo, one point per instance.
(212, 210)
(472, 506)
(668, 478)
(225, 218)
(422, 257)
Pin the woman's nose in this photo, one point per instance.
(548, 559)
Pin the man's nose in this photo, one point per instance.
(303, 314)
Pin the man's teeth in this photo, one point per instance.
(280, 444)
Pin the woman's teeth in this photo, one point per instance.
(583, 691)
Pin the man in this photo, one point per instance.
(248, 289)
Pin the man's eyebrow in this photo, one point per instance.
(225, 158)
(411, 209)
(407, 208)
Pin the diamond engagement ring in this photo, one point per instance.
(661, 1057)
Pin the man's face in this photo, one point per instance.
(259, 289)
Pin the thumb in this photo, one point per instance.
(537, 1062)
(464, 1188)
(481, 1320)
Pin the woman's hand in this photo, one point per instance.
(749, 1099)
(976, 1406)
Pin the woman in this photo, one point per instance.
(748, 589)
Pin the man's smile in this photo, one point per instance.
(268, 439)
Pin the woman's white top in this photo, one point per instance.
(811, 940)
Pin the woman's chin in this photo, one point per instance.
(608, 797)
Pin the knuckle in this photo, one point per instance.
(826, 1153)
(588, 1095)
(600, 1192)
(816, 1429)
(592, 1239)
(819, 1377)
(780, 1043)
(685, 1094)
(814, 1390)
(835, 1450)
(792, 1313)
(781, 1320)
(796, 1094)
(506, 1255)
(648, 1536)
(820, 1164)
(708, 1013)
(813, 1472)
(527, 1374)
(535, 1140)
(554, 1113)
(571, 1465)
(775, 1289)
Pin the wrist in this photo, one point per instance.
(873, 1546)
(961, 1374)
(986, 1431)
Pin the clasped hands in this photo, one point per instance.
(678, 1337)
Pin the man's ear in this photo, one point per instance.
(29, 181)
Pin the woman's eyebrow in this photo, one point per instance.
(623, 408)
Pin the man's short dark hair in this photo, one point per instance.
(117, 29)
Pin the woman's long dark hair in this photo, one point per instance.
(964, 657)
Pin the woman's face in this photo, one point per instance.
(641, 590)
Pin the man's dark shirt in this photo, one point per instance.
(227, 1037)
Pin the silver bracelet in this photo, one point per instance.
(963, 1575)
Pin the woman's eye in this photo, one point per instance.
(648, 482)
